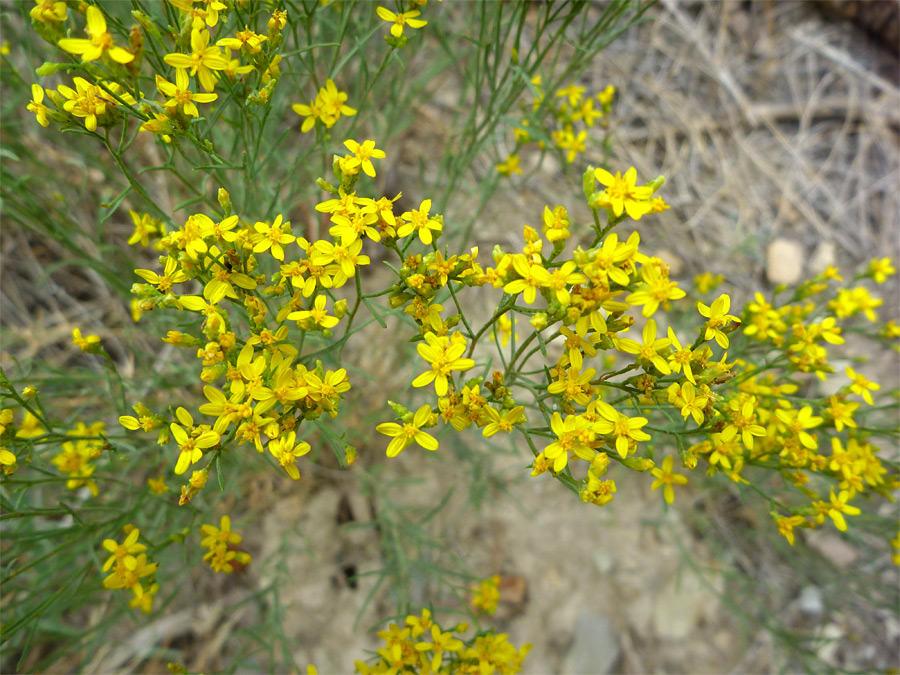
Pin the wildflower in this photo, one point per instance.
(88, 343)
(861, 386)
(244, 38)
(363, 155)
(202, 61)
(419, 221)
(85, 101)
(169, 278)
(498, 423)
(74, 459)
(219, 535)
(656, 289)
(419, 625)
(487, 595)
(509, 166)
(145, 226)
(442, 642)
(627, 430)
(665, 478)
(841, 412)
(36, 106)
(880, 269)
(311, 113)
(157, 485)
(836, 508)
(192, 446)
(48, 11)
(130, 573)
(786, 526)
(333, 103)
(121, 551)
(649, 351)
(317, 315)
(707, 281)
(622, 194)
(717, 318)
(272, 237)
(573, 435)
(286, 452)
(798, 422)
(404, 435)
(532, 276)
(743, 422)
(98, 42)
(691, 403)
(179, 95)
(7, 462)
(400, 20)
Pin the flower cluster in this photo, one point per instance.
(129, 565)
(567, 115)
(223, 554)
(423, 646)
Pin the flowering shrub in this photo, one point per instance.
(619, 369)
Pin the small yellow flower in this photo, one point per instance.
(89, 343)
(665, 478)
(363, 155)
(98, 43)
(398, 21)
(444, 355)
(404, 435)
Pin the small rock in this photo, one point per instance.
(810, 602)
(822, 257)
(604, 561)
(784, 261)
(595, 649)
(834, 548)
(680, 606)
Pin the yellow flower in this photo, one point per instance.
(202, 61)
(36, 106)
(717, 318)
(99, 41)
(445, 355)
(7, 462)
(648, 352)
(363, 155)
(786, 526)
(48, 11)
(286, 451)
(157, 485)
(509, 166)
(404, 435)
(487, 595)
(861, 386)
(88, 343)
(121, 551)
(665, 477)
(398, 21)
(179, 95)
(193, 445)
(502, 423)
(317, 315)
(622, 194)
(419, 221)
(627, 430)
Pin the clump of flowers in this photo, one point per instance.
(222, 542)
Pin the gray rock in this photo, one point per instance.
(595, 649)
